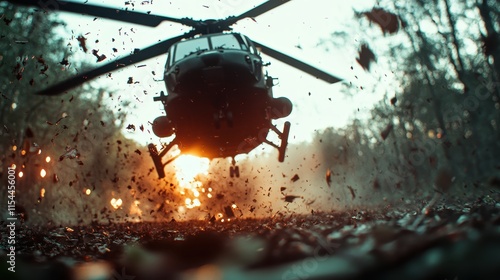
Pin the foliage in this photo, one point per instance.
(444, 114)
(74, 138)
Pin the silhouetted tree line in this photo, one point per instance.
(74, 138)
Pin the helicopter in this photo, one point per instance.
(219, 100)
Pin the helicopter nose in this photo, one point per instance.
(211, 59)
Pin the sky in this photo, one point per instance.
(295, 28)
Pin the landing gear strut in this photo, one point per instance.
(234, 170)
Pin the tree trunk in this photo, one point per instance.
(492, 36)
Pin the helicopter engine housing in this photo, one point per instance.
(162, 127)
(281, 107)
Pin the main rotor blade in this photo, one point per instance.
(99, 11)
(149, 52)
(262, 8)
(311, 70)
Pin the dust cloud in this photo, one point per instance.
(319, 176)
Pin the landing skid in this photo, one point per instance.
(157, 157)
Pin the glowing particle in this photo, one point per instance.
(43, 173)
(192, 203)
(20, 174)
(14, 148)
(431, 134)
(196, 202)
(234, 206)
(88, 191)
(42, 192)
(47, 159)
(116, 203)
(23, 152)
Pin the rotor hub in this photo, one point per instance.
(211, 26)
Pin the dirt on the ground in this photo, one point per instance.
(459, 240)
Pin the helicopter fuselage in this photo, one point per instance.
(219, 102)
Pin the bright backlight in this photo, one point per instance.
(188, 168)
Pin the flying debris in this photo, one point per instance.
(295, 178)
(328, 177)
(71, 153)
(366, 56)
(100, 57)
(291, 198)
(83, 44)
(353, 193)
(394, 100)
(385, 133)
(229, 211)
(388, 22)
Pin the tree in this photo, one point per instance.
(64, 147)
(444, 112)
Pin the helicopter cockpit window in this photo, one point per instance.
(227, 41)
(188, 47)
